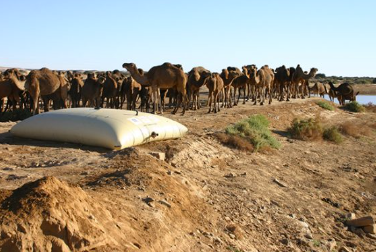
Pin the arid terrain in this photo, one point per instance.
(204, 196)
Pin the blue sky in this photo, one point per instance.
(337, 37)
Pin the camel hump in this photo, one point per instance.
(20, 85)
(167, 64)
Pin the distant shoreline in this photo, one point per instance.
(365, 89)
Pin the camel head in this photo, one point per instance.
(130, 67)
(225, 73)
(313, 72)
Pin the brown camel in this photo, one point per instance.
(130, 89)
(318, 89)
(60, 96)
(196, 78)
(10, 87)
(41, 82)
(262, 80)
(228, 75)
(281, 82)
(241, 82)
(162, 77)
(300, 81)
(75, 90)
(215, 85)
(344, 92)
(92, 90)
(110, 91)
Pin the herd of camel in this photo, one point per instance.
(113, 88)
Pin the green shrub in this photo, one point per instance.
(332, 134)
(16, 115)
(325, 105)
(255, 130)
(306, 129)
(354, 107)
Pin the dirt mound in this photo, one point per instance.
(51, 215)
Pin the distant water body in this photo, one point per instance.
(362, 99)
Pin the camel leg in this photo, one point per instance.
(210, 101)
(244, 94)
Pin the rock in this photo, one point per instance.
(331, 244)
(371, 229)
(329, 201)
(148, 200)
(8, 169)
(361, 222)
(230, 175)
(279, 183)
(218, 240)
(165, 203)
(232, 236)
(308, 234)
(344, 249)
(285, 241)
(159, 155)
(350, 216)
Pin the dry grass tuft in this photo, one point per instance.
(234, 141)
(306, 129)
(332, 134)
(356, 129)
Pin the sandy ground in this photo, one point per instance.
(203, 197)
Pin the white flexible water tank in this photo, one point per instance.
(109, 128)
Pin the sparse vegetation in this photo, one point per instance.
(332, 134)
(235, 142)
(254, 131)
(355, 129)
(340, 79)
(325, 105)
(306, 129)
(16, 115)
(355, 107)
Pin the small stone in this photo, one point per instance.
(148, 200)
(344, 249)
(371, 229)
(285, 241)
(279, 183)
(361, 222)
(159, 155)
(243, 174)
(8, 169)
(169, 172)
(308, 234)
(232, 236)
(227, 218)
(165, 203)
(350, 216)
(218, 240)
(230, 175)
(331, 244)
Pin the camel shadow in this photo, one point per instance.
(8, 138)
(281, 133)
